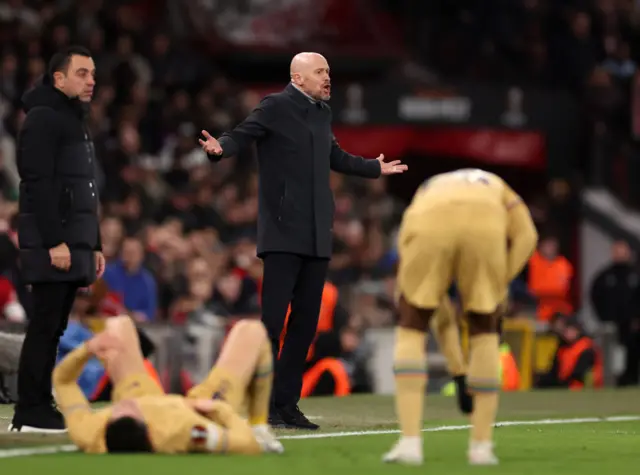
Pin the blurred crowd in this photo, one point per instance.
(591, 47)
(179, 232)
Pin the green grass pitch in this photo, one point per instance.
(554, 433)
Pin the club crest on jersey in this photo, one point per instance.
(199, 435)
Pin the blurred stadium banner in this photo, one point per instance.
(258, 23)
(348, 26)
(490, 123)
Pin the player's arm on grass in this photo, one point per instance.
(521, 231)
(81, 422)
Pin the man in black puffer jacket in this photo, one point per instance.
(58, 227)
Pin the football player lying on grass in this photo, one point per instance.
(142, 418)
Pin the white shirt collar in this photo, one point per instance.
(311, 99)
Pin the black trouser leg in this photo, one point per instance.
(631, 374)
(51, 306)
(279, 279)
(301, 330)
(64, 321)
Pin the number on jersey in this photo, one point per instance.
(473, 176)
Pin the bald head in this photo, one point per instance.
(303, 62)
(310, 72)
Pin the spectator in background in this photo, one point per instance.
(577, 52)
(577, 362)
(112, 232)
(615, 295)
(10, 306)
(549, 280)
(619, 62)
(336, 361)
(129, 278)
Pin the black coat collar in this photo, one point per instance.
(302, 99)
(48, 96)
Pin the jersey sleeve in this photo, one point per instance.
(510, 198)
(85, 427)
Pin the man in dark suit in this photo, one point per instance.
(58, 228)
(296, 152)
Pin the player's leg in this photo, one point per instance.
(410, 374)
(259, 399)
(445, 329)
(233, 372)
(126, 366)
(484, 384)
(423, 279)
(244, 373)
(482, 281)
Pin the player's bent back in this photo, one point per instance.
(458, 227)
(466, 187)
(491, 205)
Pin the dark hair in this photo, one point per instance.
(127, 435)
(60, 61)
(133, 237)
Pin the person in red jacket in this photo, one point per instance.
(549, 280)
(577, 359)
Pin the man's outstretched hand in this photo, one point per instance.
(211, 146)
(391, 168)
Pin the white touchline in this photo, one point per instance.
(330, 435)
(53, 449)
(49, 449)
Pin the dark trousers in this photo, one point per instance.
(52, 304)
(299, 280)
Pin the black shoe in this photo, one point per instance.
(275, 420)
(465, 400)
(43, 419)
(295, 419)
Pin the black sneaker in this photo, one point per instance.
(295, 419)
(40, 419)
(465, 400)
(275, 420)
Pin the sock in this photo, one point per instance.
(220, 440)
(410, 371)
(447, 334)
(260, 387)
(484, 382)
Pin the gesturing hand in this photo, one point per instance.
(211, 146)
(391, 168)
